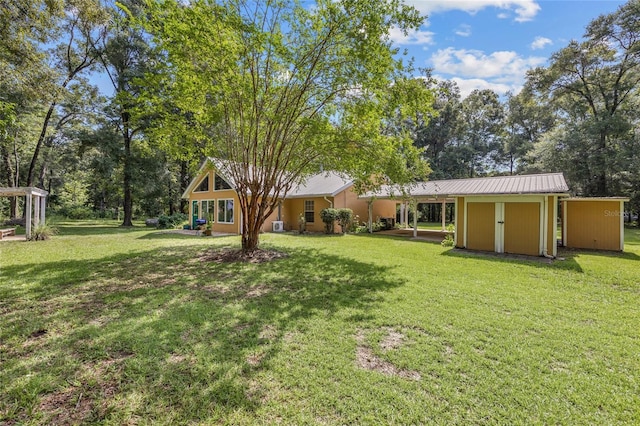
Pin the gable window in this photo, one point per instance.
(308, 211)
(221, 184)
(225, 211)
(204, 185)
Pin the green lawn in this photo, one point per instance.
(126, 326)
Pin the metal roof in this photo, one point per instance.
(545, 183)
(326, 184)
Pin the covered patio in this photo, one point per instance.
(35, 204)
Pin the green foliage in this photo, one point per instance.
(345, 219)
(294, 88)
(302, 223)
(329, 217)
(174, 221)
(42, 232)
(449, 240)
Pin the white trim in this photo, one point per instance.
(218, 213)
(621, 225)
(455, 222)
(505, 199)
(200, 183)
(498, 240)
(565, 215)
(542, 229)
(554, 223)
(466, 220)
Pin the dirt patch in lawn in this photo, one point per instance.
(367, 359)
(228, 255)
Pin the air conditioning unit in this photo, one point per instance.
(278, 226)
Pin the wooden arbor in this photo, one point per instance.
(35, 204)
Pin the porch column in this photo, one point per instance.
(444, 214)
(370, 216)
(36, 210)
(28, 209)
(406, 214)
(402, 212)
(415, 218)
(43, 208)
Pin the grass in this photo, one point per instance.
(119, 326)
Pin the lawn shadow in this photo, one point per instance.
(161, 331)
(568, 263)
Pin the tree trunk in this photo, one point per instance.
(36, 151)
(10, 176)
(127, 178)
(601, 174)
(184, 183)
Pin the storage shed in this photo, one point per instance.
(593, 223)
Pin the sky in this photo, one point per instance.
(487, 44)
(490, 44)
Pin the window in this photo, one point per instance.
(208, 210)
(308, 211)
(204, 185)
(225, 211)
(221, 184)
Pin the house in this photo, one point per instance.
(520, 214)
(212, 195)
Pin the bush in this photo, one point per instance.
(329, 217)
(448, 239)
(173, 221)
(42, 232)
(76, 212)
(345, 217)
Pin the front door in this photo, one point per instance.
(194, 214)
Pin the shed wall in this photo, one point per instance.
(522, 228)
(593, 224)
(481, 229)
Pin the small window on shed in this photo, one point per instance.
(204, 185)
(221, 184)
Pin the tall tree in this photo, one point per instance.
(482, 129)
(591, 83)
(278, 90)
(84, 24)
(126, 57)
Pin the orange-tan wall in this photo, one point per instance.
(481, 229)
(522, 228)
(292, 208)
(592, 224)
(380, 208)
(211, 194)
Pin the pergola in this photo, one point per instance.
(35, 204)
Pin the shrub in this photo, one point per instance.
(42, 232)
(345, 217)
(302, 223)
(448, 239)
(173, 221)
(329, 217)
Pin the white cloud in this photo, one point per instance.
(525, 10)
(473, 69)
(540, 43)
(468, 85)
(412, 37)
(503, 15)
(464, 30)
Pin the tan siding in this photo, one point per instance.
(522, 228)
(481, 229)
(460, 223)
(293, 207)
(593, 224)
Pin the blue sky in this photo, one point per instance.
(490, 44)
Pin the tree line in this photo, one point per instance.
(286, 88)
